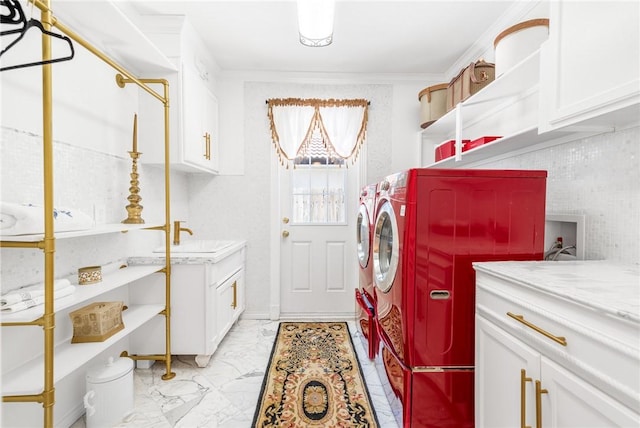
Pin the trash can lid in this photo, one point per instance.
(113, 369)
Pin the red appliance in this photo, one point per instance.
(365, 303)
(431, 225)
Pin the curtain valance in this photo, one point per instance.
(342, 124)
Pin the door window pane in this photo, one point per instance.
(318, 186)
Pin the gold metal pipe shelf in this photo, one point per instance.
(44, 7)
(47, 396)
(18, 244)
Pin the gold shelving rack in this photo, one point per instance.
(47, 244)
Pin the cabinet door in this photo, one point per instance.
(210, 128)
(194, 138)
(590, 65)
(499, 383)
(224, 307)
(570, 402)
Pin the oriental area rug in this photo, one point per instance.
(314, 380)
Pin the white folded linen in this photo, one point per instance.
(31, 292)
(39, 300)
(26, 219)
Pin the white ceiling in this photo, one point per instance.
(373, 37)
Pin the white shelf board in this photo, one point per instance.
(108, 28)
(28, 379)
(521, 78)
(522, 142)
(98, 230)
(85, 293)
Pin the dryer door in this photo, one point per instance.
(385, 247)
(364, 238)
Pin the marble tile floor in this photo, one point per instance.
(225, 393)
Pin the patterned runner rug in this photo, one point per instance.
(314, 380)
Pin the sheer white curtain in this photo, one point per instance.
(342, 124)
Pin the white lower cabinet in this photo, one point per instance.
(545, 360)
(207, 297)
(518, 387)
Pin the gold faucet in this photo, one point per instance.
(176, 232)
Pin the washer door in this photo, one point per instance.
(364, 238)
(385, 248)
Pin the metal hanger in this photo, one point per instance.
(14, 9)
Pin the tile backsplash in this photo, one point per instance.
(86, 180)
(596, 177)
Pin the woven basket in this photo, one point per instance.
(96, 322)
(470, 80)
(433, 104)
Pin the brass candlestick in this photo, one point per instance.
(134, 209)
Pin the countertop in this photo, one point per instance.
(602, 285)
(187, 258)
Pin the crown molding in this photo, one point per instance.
(326, 77)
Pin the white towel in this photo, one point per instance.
(31, 292)
(25, 219)
(21, 306)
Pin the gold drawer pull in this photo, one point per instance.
(234, 304)
(539, 392)
(520, 318)
(523, 397)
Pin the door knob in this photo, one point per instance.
(285, 233)
(285, 220)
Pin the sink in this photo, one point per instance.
(200, 246)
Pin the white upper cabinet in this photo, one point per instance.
(200, 121)
(590, 65)
(194, 107)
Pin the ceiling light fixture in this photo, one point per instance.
(315, 22)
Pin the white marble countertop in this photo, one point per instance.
(188, 258)
(606, 286)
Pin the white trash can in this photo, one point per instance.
(110, 393)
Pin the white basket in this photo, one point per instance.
(518, 42)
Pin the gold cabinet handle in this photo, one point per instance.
(285, 233)
(285, 220)
(234, 304)
(523, 397)
(539, 392)
(207, 146)
(520, 318)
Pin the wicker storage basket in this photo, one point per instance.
(519, 41)
(433, 104)
(96, 322)
(470, 80)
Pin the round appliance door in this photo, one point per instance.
(364, 238)
(385, 248)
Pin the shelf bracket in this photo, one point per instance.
(458, 144)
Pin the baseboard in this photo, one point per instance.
(347, 316)
(305, 316)
(72, 416)
(255, 315)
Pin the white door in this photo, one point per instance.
(318, 262)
